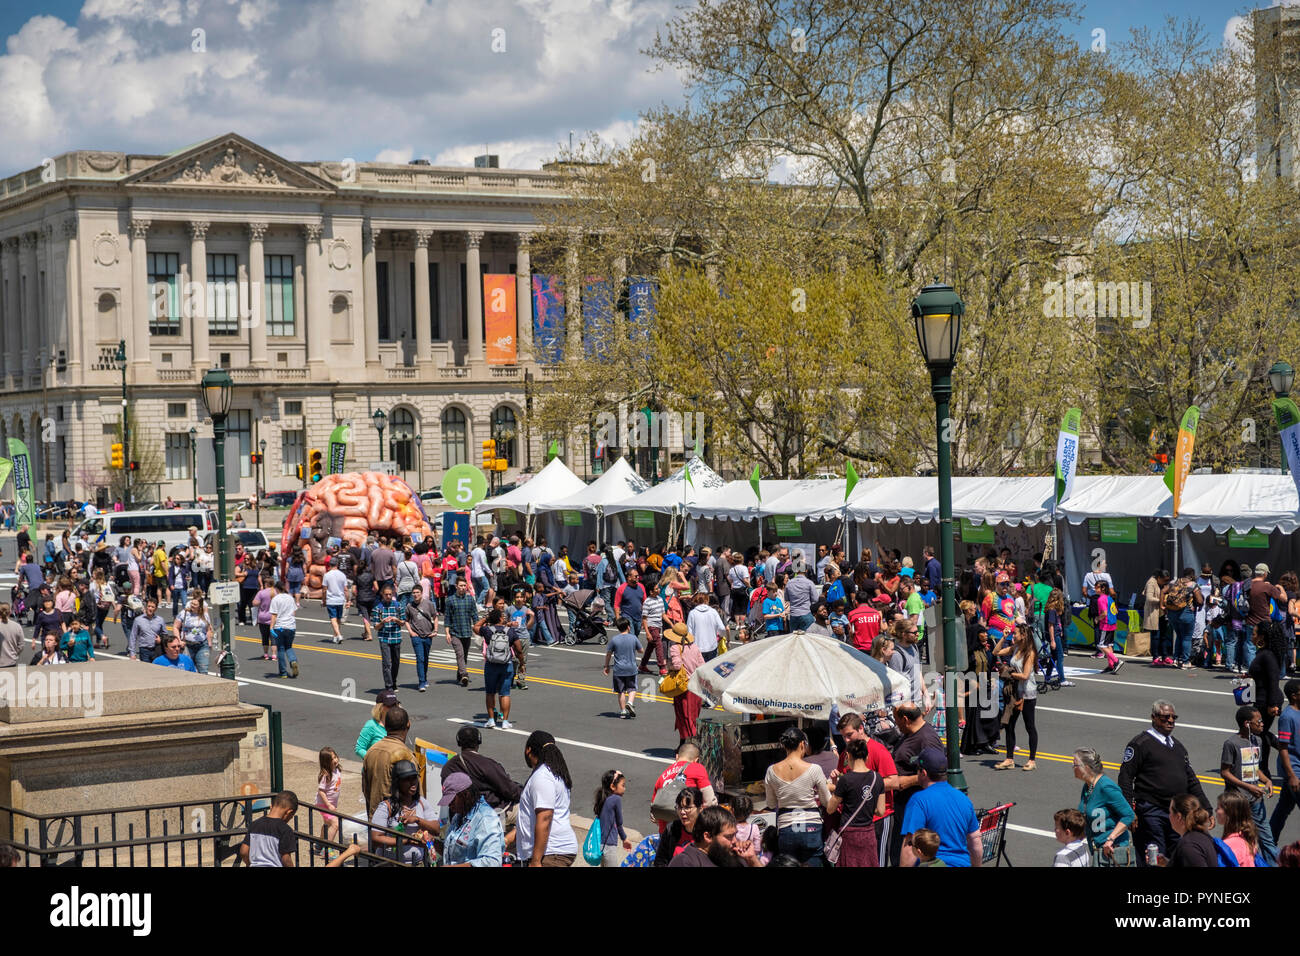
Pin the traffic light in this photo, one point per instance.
(134, 466)
(116, 457)
(300, 471)
(500, 464)
(315, 465)
(255, 459)
(489, 454)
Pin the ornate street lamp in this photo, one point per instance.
(216, 389)
(194, 465)
(380, 419)
(120, 360)
(937, 312)
(419, 461)
(1281, 376)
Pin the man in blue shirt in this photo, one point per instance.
(933, 570)
(1288, 759)
(946, 811)
(172, 656)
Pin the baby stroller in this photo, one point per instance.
(23, 612)
(588, 610)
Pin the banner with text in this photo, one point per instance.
(24, 503)
(548, 319)
(339, 439)
(499, 312)
(1067, 453)
(597, 316)
(1181, 466)
(1287, 417)
(641, 295)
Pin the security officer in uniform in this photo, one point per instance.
(1154, 771)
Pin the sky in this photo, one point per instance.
(387, 80)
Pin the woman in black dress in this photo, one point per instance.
(980, 735)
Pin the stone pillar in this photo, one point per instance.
(450, 291)
(46, 261)
(370, 316)
(10, 313)
(257, 317)
(72, 296)
(523, 296)
(137, 342)
(474, 296)
(30, 307)
(572, 299)
(197, 303)
(317, 325)
(423, 310)
(299, 299)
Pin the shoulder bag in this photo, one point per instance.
(834, 844)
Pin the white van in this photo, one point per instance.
(170, 525)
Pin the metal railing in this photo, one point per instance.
(190, 833)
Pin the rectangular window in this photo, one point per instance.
(279, 296)
(178, 455)
(239, 427)
(176, 409)
(164, 293)
(293, 408)
(63, 460)
(292, 450)
(381, 292)
(223, 294)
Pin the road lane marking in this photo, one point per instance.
(1140, 720)
(565, 740)
(1214, 781)
(1165, 687)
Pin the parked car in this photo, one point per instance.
(280, 499)
(254, 539)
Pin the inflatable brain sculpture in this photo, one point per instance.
(344, 509)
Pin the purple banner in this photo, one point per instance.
(548, 318)
(641, 295)
(597, 316)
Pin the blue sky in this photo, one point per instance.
(390, 80)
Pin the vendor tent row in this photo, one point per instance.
(1219, 503)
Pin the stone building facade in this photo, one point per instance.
(329, 291)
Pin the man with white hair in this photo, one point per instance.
(1155, 769)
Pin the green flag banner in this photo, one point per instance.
(850, 479)
(972, 533)
(553, 451)
(24, 503)
(6, 466)
(1067, 453)
(754, 483)
(1287, 417)
(1181, 467)
(643, 519)
(339, 439)
(686, 473)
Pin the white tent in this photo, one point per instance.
(553, 483)
(736, 501)
(1117, 496)
(1241, 503)
(618, 482)
(674, 494)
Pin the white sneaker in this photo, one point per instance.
(338, 640)
(506, 725)
(490, 724)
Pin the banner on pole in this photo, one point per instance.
(850, 479)
(6, 466)
(1176, 476)
(24, 503)
(1287, 417)
(548, 319)
(1067, 453)
(755, 483)
(641, 295)
(499, 311)
(597, 316)
(339, 439)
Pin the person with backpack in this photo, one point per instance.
(1182, 600)
(1107, 621)
(501, 645)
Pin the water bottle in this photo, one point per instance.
(1153, 855)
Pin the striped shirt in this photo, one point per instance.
(391, 632)
(1074, 853)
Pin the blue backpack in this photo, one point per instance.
(1228, 858)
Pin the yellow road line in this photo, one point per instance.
(1214, 781)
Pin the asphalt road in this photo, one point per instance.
(570, 697)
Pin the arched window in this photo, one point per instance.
(455, 438)
(402, 438)
(504, 430)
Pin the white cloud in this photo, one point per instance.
(1231, 40)
(324, 79)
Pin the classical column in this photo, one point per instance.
(257, 317)
(423, 311)
(137, 343)
(195, 296)
(370, 275)
(523, 296)
(572, 298)
(10, 313)
(72, 299)
(317, 326)
(474, 295)
(31, 306)
(48, 315)
(449, 289)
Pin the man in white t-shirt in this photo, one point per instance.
(545, 836)
(479, 571)
(706, 625)
(336, 599)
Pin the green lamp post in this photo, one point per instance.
(216, 391)
(937, 312)
(1281, 376)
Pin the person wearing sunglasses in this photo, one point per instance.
(1155, 769)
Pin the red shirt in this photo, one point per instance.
(879, 760)
(696, 776)
(866, 622)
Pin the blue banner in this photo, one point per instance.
(548, 319)
(641, 295)
(597, 316)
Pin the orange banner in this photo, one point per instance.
(499, 311)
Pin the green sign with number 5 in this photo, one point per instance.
(464, 486)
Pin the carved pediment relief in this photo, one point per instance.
(230, 161)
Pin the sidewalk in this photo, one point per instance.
(302, 769)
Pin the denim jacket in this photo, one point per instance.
(476, 838)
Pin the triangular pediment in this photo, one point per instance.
(228, 162)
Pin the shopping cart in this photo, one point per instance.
(993, 834)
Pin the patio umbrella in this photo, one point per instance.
(800, 675)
